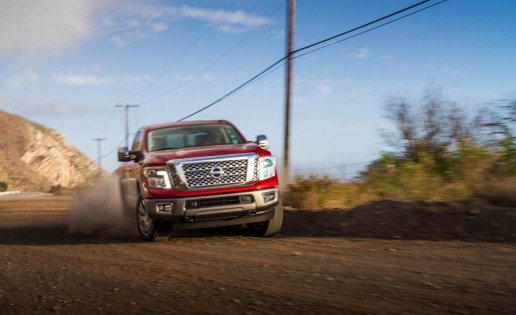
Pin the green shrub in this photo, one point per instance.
(428, 175)
(3, 186)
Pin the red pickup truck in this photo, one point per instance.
(199, 174)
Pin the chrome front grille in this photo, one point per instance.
(213, 172)
(200, 174)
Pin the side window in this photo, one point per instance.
(138, 141)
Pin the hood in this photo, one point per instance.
(161, 157)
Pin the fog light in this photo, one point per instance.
(269, 197)
(164, 207)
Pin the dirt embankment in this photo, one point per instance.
(411, 220)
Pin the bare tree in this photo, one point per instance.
(399, 111)
(431, 125)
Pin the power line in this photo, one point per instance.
(85, 167)
(116, 148)
(366, 31)
(183, 55)
(101, 157)
(236, 89)
(177, 87)
(361, 26)
(263, 72)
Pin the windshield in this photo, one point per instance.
(192, 136)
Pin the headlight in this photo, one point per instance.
(267, 167)
(157, 177)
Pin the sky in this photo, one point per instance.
(66, 63)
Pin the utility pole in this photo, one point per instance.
(99, 150)
(126, 110)
(288, 90)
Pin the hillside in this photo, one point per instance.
(35, 158)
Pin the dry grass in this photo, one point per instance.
(325, 193)
(498, 191)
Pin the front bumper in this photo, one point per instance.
(215, 210)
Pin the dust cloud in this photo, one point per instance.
(97, 210)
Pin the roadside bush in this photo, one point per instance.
(392, 178)
(3, 186)
(447, 176)
(315, 192)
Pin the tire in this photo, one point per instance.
(149, 229)
(268, 228)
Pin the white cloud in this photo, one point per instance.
(226, 28)
(445, 70)
(189, 77)
(88, 79)
(21, 79)
(298, 101)
(47, 27)
(132, 78)
(37, 106)
(149, 19)
(159, 27)
(97, 67)
(72, 79)
(324, 89)
(363, 53)
(225, 18)
(208, 77)
(364, 93)
(120, 41)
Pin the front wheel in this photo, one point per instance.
(268, 228)
(149, 229)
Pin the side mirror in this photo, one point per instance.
(124, 155)
(262, 142)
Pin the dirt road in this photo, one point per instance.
(381, 259)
